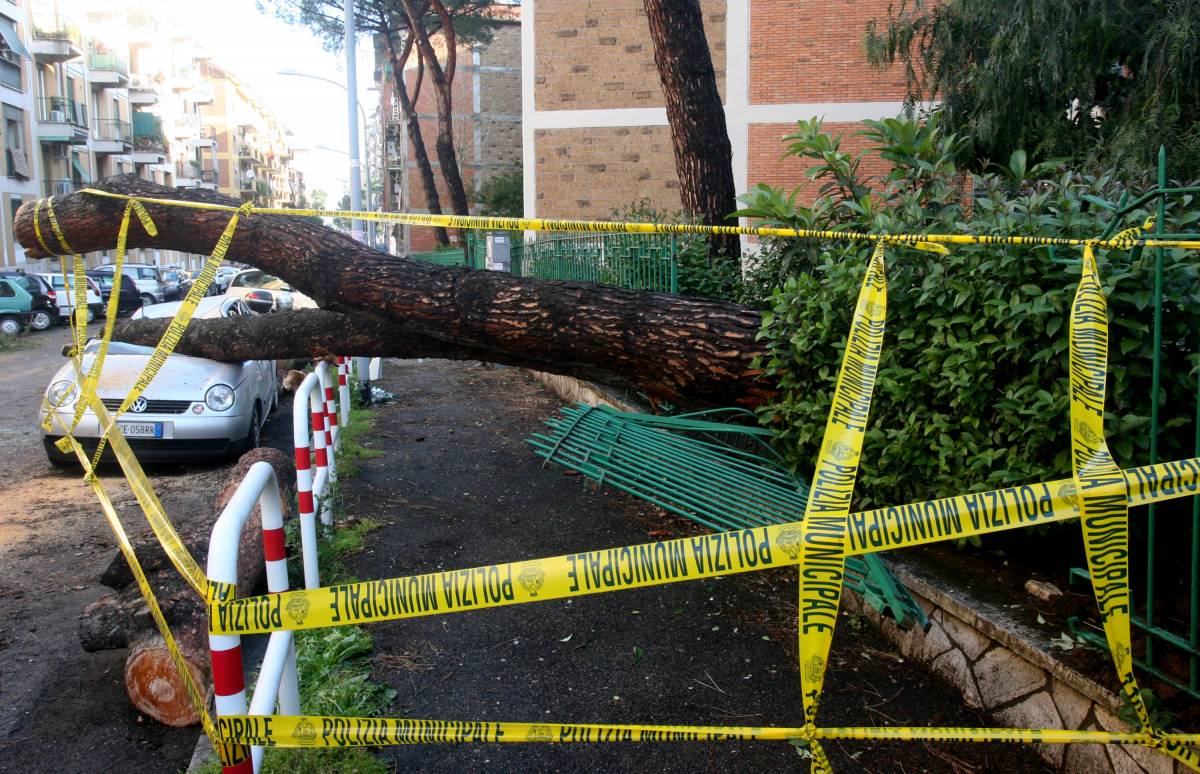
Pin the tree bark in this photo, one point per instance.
(443, 81)
(683, 350)
(703, 155)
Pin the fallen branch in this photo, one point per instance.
(685, 350)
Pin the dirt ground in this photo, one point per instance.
(62, 709)
(458, 488)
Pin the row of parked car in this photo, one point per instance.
(39, 301)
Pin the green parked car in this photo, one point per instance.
(15, 305)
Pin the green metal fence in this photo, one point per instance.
(635, 261)
(1170, 646)
(474, 256)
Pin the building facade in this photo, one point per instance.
(486, 99)
(595, 131)
(89, 91)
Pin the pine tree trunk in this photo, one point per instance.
(433, 200)
(684, 350)
(443, 81)
(703, 155)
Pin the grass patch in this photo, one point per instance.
(15, 343)
(352, 452)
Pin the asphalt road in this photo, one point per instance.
(62, 709)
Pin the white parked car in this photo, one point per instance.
(64, 294)
(194, 408)
(266, 292)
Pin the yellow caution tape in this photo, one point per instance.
(334, 731)
(921, 241)
(680, 559)
(1103, 495)
(174, 332)
(822, 555)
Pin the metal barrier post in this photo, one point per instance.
(278, 672)
(309, 408)
(331, 420)
(344, 388)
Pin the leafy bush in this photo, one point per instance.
(502, 195)
(972, 388)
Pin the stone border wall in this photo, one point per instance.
(998, 670)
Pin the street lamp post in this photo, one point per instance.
(355, 162)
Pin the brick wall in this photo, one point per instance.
(767, 166)
(598, 53)
(590, 172)
(801, 51)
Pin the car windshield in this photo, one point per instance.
(171, 276)
(258, 279)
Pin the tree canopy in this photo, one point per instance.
(1096, 81)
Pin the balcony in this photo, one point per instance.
(201, 93)
(142, 91)
(61, 120)
(247, 152)
(209, 178)
(54, 39)
(149, 143)
(112, 135)
(207, 138)
(61, 187)
(106, 68)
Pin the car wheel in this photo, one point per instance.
(10, 326)
(41, 320)
(254, 437)
(91, 315)
(147, 299)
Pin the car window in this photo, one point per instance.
(6, 290)
(171, 276)
(147, 273)
(258, 279)
(28, 283)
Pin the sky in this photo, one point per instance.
(255, 47)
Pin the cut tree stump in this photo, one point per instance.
(123, 619)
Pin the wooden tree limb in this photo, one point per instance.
(679, 349)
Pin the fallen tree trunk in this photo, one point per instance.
(679, 349)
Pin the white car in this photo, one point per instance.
(64, 293)
(194, 408)
(266, 292)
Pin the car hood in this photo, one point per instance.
(180, 378)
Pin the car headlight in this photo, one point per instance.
(219, 397)
(62, 393)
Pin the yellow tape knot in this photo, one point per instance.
(246, 208)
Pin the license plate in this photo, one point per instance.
(141, 429)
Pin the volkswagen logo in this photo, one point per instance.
(139, 405)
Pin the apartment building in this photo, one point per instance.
(92, 91)
(595, 131)
(486, 98)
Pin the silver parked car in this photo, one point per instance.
(146, 276)
(195, 408)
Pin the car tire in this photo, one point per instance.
(254, 437)
(91, 315)
(147, 299)
(10, 325)
(41, 320)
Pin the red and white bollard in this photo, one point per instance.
(278, 682)
(344, 365)
(331, 412)
(308, 410)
